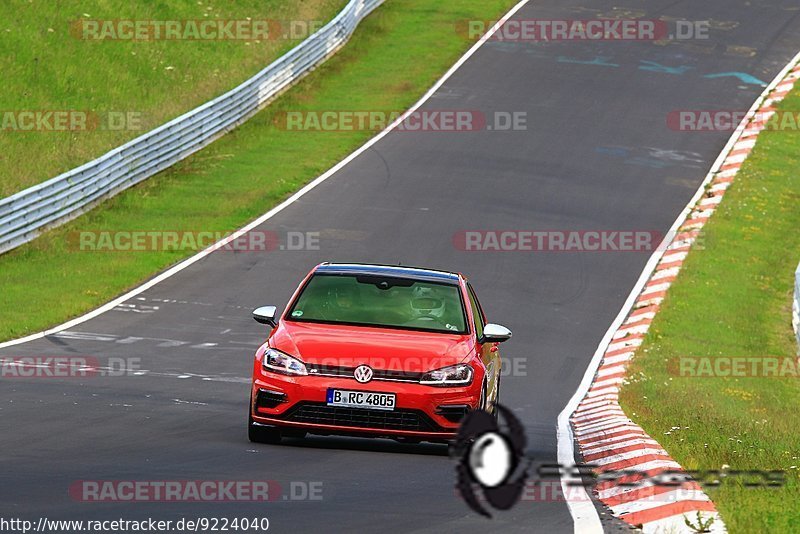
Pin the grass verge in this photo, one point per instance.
(251, 169)
(733, 298)
(47, 65)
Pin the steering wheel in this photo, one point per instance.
(426, 318)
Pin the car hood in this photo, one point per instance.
(380, 348)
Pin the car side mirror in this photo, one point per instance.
(266, 315)
(495, 333)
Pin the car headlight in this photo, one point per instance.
(455, 375)
(279, 362)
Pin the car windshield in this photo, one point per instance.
(371, 300)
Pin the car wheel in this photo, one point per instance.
(292, 433)
(483, 402)
(261, 434)
(495, 411)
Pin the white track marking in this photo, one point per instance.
(277, 209)
(583, 512)
(195, 403)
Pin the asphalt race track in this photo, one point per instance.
(597, 155)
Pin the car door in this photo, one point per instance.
(489, 352)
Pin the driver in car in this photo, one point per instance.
(345, 300)
(428, 306)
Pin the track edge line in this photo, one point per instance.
(274, 211)
(582, 516)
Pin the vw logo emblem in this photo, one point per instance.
(363, 373)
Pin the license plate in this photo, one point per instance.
(361, 399)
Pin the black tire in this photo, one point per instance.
(292, 433)
(261, 434)
(495, 411)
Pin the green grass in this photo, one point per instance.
(733, 298)
(243, 174)
(46, 66)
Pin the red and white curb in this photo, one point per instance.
(605, 436)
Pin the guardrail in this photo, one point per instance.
(26, 214)
(796, 308)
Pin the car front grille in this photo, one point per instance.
(322, 414)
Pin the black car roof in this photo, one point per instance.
(395, 271)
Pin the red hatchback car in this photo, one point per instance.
(373, 350)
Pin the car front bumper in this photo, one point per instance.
(421, 412)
